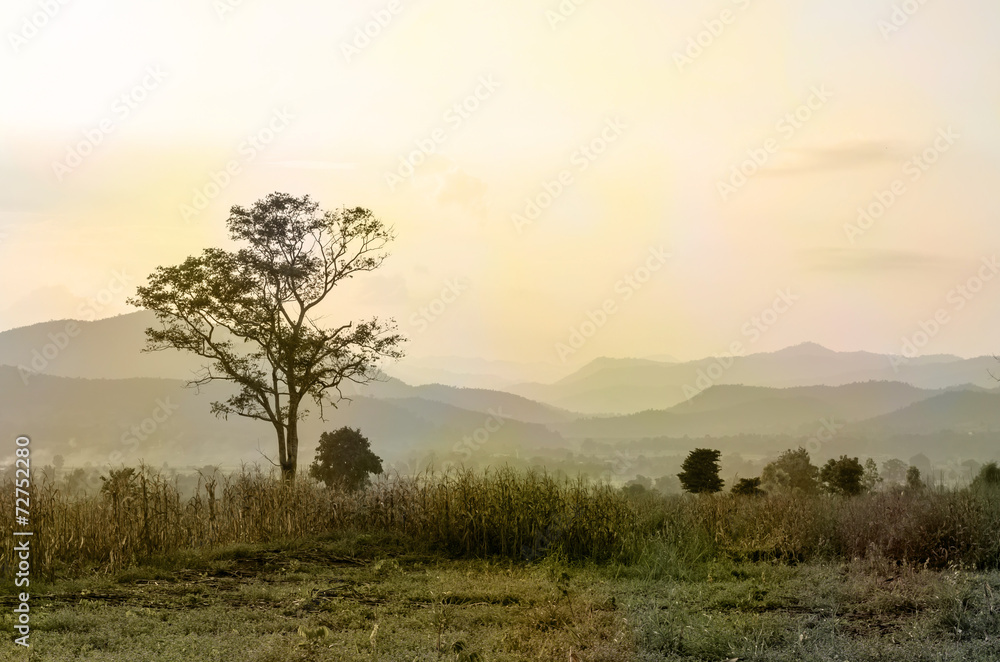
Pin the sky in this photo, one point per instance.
(566, 180)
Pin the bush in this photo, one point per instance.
(748, 487)
(843, 476)
(344, 459)
(700, 472)
(989, 476)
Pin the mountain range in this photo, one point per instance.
(85, 391)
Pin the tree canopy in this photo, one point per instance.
(792, 471)
(252, 312)
(344, 458)
(843, 476)
(700, 472)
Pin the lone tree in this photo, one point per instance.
(700, 472)
(843, 476)
(345, 458)
(252, 312)
(913, 480)
(792, 471)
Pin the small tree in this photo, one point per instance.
(913, 480)
(989, 476)
(843, 476)
(700, 472)
(344, 458)
(792, 471)
(668, 484)
(871, 478)
(894, 471)
(748, 487)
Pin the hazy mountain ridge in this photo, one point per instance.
(625, 387)
(733, 409)
(96, 388)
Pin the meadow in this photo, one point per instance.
(504, 565)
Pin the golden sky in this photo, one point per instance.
(588, 178)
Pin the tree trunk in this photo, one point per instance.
(282, 449)
(290, 463)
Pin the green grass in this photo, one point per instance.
(503, 566)
(362, 597)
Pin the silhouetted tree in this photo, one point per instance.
(252, 312)
(646, 483)
(871, 478)
(668, 484)
(792, 471)
(843, 476)
(344, 458)
(700, 472)
(894, 471)
(989, 476)
(748, 487)
(913, 480)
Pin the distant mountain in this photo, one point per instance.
(472, 372)
(966, 411)
(629, 385)
(730, 410)
(112, 421)
(485, 401)
(849, 402)
(104, 349)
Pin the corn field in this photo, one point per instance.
(141, 514)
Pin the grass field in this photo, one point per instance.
(504, 567)
(364, 598)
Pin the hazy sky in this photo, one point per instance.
(698, 167)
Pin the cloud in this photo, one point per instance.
(847, 155)
(442, 180)
(313, 165)
(871, 260)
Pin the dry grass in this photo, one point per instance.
(141, 514)
(503, 513)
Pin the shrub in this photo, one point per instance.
(344, 458)
(700, 472)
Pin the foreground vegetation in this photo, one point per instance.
(510, 515)
(505, 566)
(362, 597)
